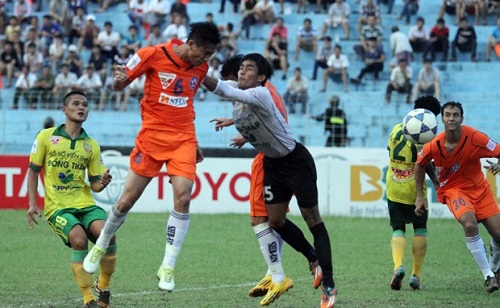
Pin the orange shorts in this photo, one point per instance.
(155, 147)
(482, 203)
(497, 50)
(257, 204)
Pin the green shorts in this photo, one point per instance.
(62, 221)
(402, 214)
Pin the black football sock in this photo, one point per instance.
(324, 252)
(294, 237)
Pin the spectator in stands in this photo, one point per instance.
(493, 8)
(337, 68)
(438, 41)
(410, 8)
(137, 9)
(122, 57)
(224, 49)
(335, 124)
(12, 28)
(465, 40)
(493, 41)
(367, 9)
(276, 52)
(9, 63)
(49, 29)
(58, 11)
(307, 38)
(104, 4)
(33, 58)
(419, 36)
(389, 3)
(56, 53)
(296, 92)
(209, 17)
(18, 46)
(64, 83)
(264, 11)
(33, 25)
(108, 40)
(322, 56)
(24, 83)
(89, 35)
(43, 88)
(478, 7)
(135, 89)
(374, 60)
(338, 15)
(22, 10)
(90, 83)
(448, 7)
(73, 60)
(176, 30)
(132, 41)
(157, 13)
(235, 3)
(32, 38)
(98, 62)
(156, 37)
(78, 22)
(73, 5)
(400, 80)
(249, 19)
(214, 69)
(400, 45)
(179, 8)
(280, 28)
(233, 36)
(428, 81)
(48, 122)
(108, 93)
(3, 15)
(371, 29)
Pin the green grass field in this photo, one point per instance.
(221, 260)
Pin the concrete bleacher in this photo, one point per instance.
(370, 118)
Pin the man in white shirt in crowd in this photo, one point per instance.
(90, 83)
(64, 83)
(400, 45)
(419, 36)
(337, 68)
(296, 92)
(108, 40)
(175, 30)
(338, 15)
(428, 81)
(400, 81)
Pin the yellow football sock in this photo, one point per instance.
(419, 248)
(398, 247)
(107, 267)
(84, 281)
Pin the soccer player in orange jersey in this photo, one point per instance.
(174, 72)
(462, 186)
(270, 242)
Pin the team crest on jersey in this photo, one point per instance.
(193, 82)
(491, 145)
(55, 139)
(87, 147)
(166, 79)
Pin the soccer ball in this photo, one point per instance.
(420, 126)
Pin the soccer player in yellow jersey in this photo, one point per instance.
(66, 154)
(401, 196)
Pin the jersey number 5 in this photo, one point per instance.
(268, 194)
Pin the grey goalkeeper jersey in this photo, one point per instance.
(258, 119)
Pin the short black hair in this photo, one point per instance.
(428, 102)
(453, 104)
(108, 23)
(231, 67)
(203, 33)
(69, 94)
(264, 67)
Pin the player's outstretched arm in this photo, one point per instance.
(99, 186)
(493, 168)
(33, 210)
(421, 202)
(431, 172)
(120, 81)
(220, 123)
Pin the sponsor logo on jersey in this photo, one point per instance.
(87, 147)
(166, 79)
(132, 63)
(55, 139)
(193, 82)
(34, 146)
(491, 145)
(174, 101)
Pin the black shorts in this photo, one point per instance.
(402, 214)
(289, 175)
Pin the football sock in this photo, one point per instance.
(83, 279)
(114, 221)
(177, 227)
(324, 253)
(269, 246)
(294, 237)
(419, 248)
(107, 267)
(495, 255)
(476, 247)
(398, 247)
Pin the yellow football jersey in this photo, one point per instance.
(65, 162)
(400, 177)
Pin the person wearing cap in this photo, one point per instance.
(322, 56)
(89, 34)
(335, 123)
(438, 41)
(73, 60)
